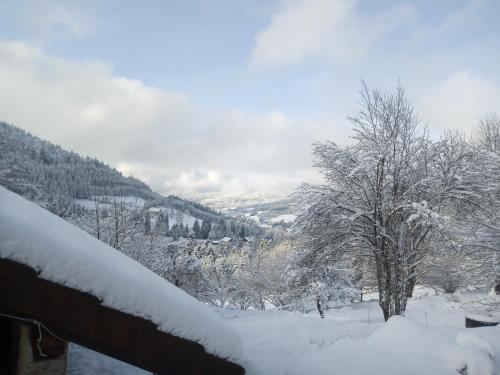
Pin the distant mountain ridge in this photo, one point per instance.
(223, 202)
(265, 209)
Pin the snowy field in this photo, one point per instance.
(354, 340)
(287, 218)
(106, 203)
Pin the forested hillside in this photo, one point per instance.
(68, 184)
(187, 243)
(41, 170)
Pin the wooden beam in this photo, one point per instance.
(81, 318)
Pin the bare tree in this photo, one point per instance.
(452, 266)
(268, 272)
(100, 221)
(122, 222)
(387, 195)
(489, 133)
(488, 228)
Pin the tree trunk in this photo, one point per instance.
(320, 307)
(385, 305)
(393, 289)
(410, 286)
(393, 305)
(382, 296)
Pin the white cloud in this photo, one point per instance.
(310, 28)
(161, 137)
(459, 102)
(81, 105)
(279, 119)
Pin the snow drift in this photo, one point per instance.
(402, 346)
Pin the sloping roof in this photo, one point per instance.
(79, 273)
(222, 240)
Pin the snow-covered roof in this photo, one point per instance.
(222, 240)
(484, 318)
(66, 255)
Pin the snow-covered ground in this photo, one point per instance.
(175, 216)
(404, 347)
(82, 361)
(287, 218)
(280, 342)
(354, 340)
(129, 200)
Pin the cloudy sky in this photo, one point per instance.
(227, 96)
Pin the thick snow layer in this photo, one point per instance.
(67, 255)
(277, 341)
(403, 347)
(484, 318)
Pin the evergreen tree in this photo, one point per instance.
(161, 227)
(242, 232)
(206, 226)
(220, 228)
(197, 229)
(233, 229)
(175, 232)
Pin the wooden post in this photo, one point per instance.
(32, 360)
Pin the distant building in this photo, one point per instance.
(222, 240)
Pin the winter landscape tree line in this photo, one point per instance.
(397, 208)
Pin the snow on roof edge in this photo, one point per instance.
(67, 255)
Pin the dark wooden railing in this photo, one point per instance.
(80, 318)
